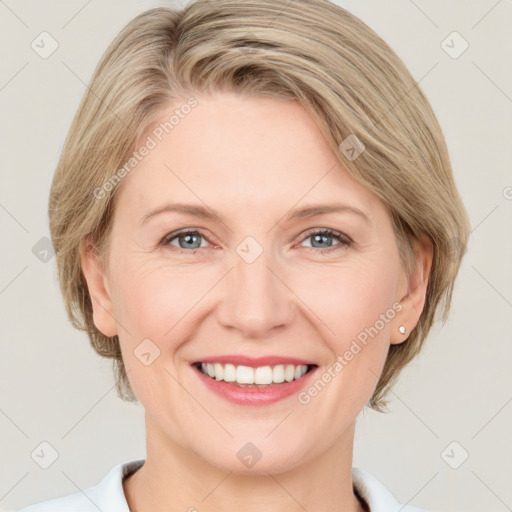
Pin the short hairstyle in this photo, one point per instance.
(310, 51)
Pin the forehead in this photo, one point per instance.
(249, 152)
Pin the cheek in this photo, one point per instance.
(156, 297)
(350, 303)
(347, 299)
(158, 303)
(165, 303)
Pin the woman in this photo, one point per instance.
(254, 216)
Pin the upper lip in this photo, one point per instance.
(254, 362)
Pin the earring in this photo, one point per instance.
(402, 329)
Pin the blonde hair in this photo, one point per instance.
(310, 51)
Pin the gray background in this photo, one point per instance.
(56, 390)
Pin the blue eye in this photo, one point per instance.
(191, 237)
(322, 235)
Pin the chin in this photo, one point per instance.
(247, 458)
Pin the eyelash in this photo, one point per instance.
(345, 240)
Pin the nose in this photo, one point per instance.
(255, 298)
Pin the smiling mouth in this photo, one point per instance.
(261, 376)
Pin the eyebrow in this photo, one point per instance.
(299, 213)
(313, 210)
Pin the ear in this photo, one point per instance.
(99, 291)
(413, 300)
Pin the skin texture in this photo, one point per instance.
(253, 160)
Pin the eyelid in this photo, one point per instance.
(332, 232)
(344, 241)
(174, 234)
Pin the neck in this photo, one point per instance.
(173, 478)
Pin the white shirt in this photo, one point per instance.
(108, 494)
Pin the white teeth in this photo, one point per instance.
(278, 373)
(219, 371)
(229, 373)
(260, 376)
(245, 375)
(263, 375)
(289, 372)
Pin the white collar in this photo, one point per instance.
(108, 494)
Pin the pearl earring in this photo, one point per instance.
(402, 329)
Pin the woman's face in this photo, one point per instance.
(254, 282)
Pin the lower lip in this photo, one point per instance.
(254, 395)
